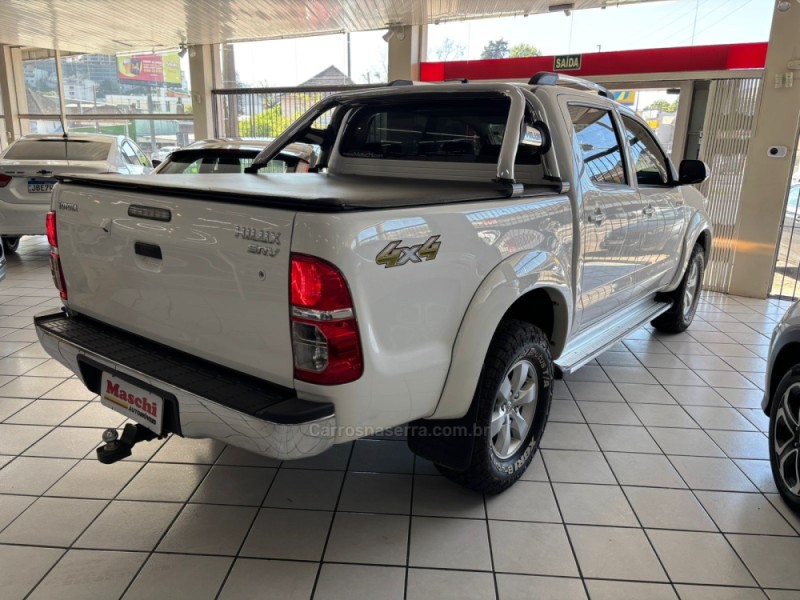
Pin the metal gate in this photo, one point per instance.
(730, 117)
(266, 112)
(786, 276)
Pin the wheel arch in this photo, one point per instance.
(786, 358)
(541, 297)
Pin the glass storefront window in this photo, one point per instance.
(337, 59)
(634, 26)
(41, 87)
(131, 84)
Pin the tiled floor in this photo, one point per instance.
(652, 483)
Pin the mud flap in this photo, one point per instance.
(446, 442)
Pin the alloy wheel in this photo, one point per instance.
(514, 409)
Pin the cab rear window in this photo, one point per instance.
(428, 131)
(58, 150)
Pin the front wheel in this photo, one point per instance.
(513, 402)
(685, 297)
(784, 438)
(10, 244)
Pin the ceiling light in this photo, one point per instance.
(388, 35)
(182, 50)
(559, 7)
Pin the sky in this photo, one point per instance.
(646, 25)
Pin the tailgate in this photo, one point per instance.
(210, 279)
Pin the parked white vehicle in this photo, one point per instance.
(228, 155)
(29, 166)
(461, 246)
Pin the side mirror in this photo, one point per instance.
(693, 171)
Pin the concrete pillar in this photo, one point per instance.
(766, 180)
(407, 48)
(203, 69)
(12, 87)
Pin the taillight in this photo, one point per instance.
(4, 180)
(325, 340)
(50, 223)
(55, 260)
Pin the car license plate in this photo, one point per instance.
(132, 401)
(40, 186)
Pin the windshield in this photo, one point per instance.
(58, 150)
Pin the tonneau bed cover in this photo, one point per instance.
(309, 192)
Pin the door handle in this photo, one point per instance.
(597, 218)
(147, 250)
(648, 211)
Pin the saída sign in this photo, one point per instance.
(568, 62)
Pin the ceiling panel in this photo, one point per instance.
(120, 25)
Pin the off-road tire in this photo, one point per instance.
(10, 244)
(778, 427)
(514, 342)
(678, 318)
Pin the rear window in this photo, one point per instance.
(469, 131)
(58, 150)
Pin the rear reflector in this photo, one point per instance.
(325, 340)
(4, 180)
(58, 275)
(50, 223)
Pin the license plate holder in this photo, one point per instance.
(40, 186)
(132, 401)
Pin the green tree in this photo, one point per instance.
(269, 123)
(495, 49)
(522, 50)
(664, 106)
(450, 50)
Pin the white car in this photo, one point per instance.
(162, 153)
(29, 166)
(233, 155)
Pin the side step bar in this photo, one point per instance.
(600, 338)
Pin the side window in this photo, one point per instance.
(129, 154)
(599, 143)
(140, 157)
(648, 160)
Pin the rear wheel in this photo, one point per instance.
(513, 401)
(685, 297)
(784, 438)
(10, 244)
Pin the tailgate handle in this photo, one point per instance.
(148, 250)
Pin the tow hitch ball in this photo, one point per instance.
(116, 447)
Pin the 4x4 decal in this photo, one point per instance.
(395, 255)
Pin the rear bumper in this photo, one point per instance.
(206, 400)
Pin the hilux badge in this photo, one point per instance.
(395, 255)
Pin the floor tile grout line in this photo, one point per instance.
(172, 522)
(334, 512)
(635, 514)
(410, 519)
(564, 525)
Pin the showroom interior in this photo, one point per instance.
(660, 473)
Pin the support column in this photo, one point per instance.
(766, 180)
(10, 90)
(407, 48)
(202, 74)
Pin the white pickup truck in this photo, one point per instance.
(459, 246)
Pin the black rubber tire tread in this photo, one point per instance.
(10, 244)
(673, 321)
(791, 500)
(512, 340)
